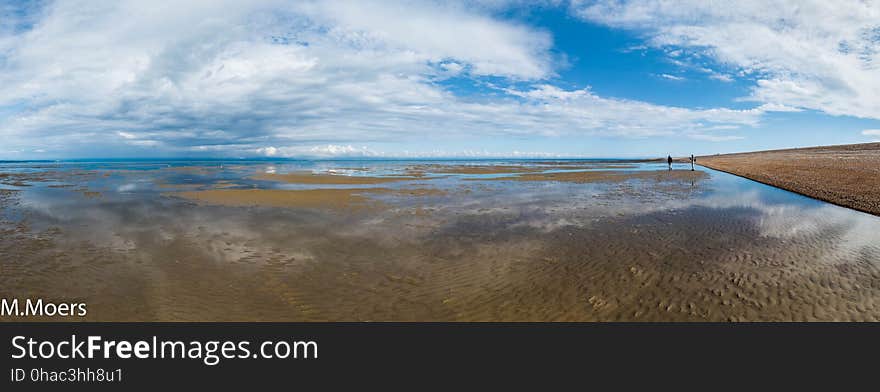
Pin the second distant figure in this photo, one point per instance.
(669, 161)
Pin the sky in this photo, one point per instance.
(438, 79)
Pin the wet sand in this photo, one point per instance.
(642, 245)
(847, 175)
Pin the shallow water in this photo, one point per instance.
(117, 236)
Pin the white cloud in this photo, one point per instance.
(671, 77)
(318, 151)
(822, 55)
(585, 112)
(434, 33)
(721, 77)
(267, 151)
(270, 76)
(871, 132)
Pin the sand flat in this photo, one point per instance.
(847, 175)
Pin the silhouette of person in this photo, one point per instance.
(693, 159)
(669, 161)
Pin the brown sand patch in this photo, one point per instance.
(14, 179)
(847, 175)
(607, 176)
(327, 179)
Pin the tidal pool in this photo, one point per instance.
(422, 241)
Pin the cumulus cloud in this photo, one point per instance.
(320, 151)
(586, 112)
(277, 78)
(811, 54)
(720, 77)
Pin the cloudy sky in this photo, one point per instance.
(439, 79)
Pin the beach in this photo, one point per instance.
(847, 175)
(507, 240)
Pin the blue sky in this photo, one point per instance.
(489, 78)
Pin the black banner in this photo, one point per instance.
(418, 355)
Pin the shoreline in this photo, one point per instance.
(793, 191)
(843, 175)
